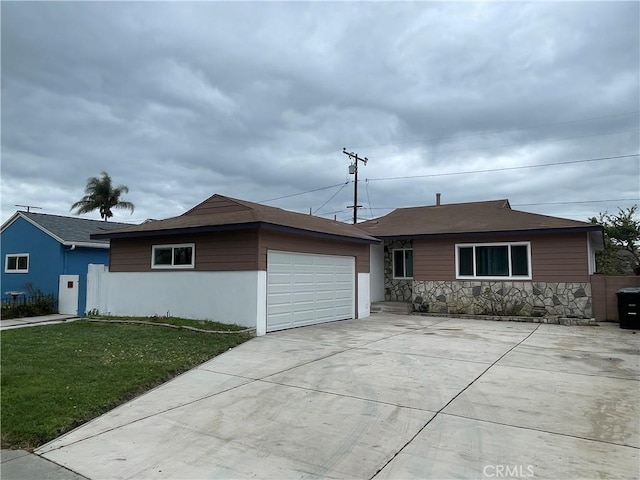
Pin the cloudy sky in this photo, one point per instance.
(179, 101)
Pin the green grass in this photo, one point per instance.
(57, 377)
(183, 322)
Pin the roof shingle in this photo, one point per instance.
(219, 211)
(71, 229)
(465, 218)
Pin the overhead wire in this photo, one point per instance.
(301, 193)
(368, 199)
(331, 197)
(501, 169)
(343, 184)
(549, 203)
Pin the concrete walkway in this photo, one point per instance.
(384, 397)
(22, 465)
(35, 321)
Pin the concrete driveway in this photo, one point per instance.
(384, 397)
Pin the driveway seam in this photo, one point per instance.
(346, 349)
(488, 362)
(569, 373)
(315, 390)
(541, 431)
(143, 418)
(449, 403)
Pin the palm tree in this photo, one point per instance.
(100, 195)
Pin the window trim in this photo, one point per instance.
(173, 246)
(393, 263)
(458, 246)
(16, 270)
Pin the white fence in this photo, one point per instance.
(97, 288)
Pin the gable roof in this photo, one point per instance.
(68, 230)
(493, 217)
(225, 213)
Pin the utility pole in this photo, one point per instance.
(353, 169)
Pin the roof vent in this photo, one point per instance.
(438, 199)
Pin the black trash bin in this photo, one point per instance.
(629, 307)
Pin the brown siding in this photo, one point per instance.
(230, 251)
(555, 258)
(560, 258)
(270, 240)
(605, 300)
(434, 259)
(220, 251)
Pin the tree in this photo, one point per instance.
(102, 196)
(622, 236)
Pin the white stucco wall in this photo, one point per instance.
(376, 277)
(261, 304)
(364, 298)
(227, 297)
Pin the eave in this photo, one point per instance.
(493, 233)
(233, 227)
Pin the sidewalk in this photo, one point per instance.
(35, 321)
(22, 465)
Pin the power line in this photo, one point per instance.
(506, 168)
(302, 193)
(445, 174)
(494, 132)
(548, 203)
(545, 140)
(368, 199)
(331, 197)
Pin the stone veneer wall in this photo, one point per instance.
(395, 290)
(536, 299)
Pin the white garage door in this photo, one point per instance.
(304, 289)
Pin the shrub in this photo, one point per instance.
(32, 305)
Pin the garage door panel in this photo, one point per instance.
(326, 295)
(304, 289)
(303, 277)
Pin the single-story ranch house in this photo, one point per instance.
(484, 258)
(50, 253)
(241, 262)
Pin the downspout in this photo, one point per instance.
(64, 261)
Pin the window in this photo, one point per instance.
(403, 263)
(494, 260)
(173, 256)
(16, 263)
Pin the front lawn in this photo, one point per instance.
(57, 377)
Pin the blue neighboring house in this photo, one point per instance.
(50, 253)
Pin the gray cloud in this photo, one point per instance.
(256, 100)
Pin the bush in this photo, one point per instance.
(29, 306)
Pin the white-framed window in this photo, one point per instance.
(494, 261)
(403, 263)
(181, 255)
(16, 263)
